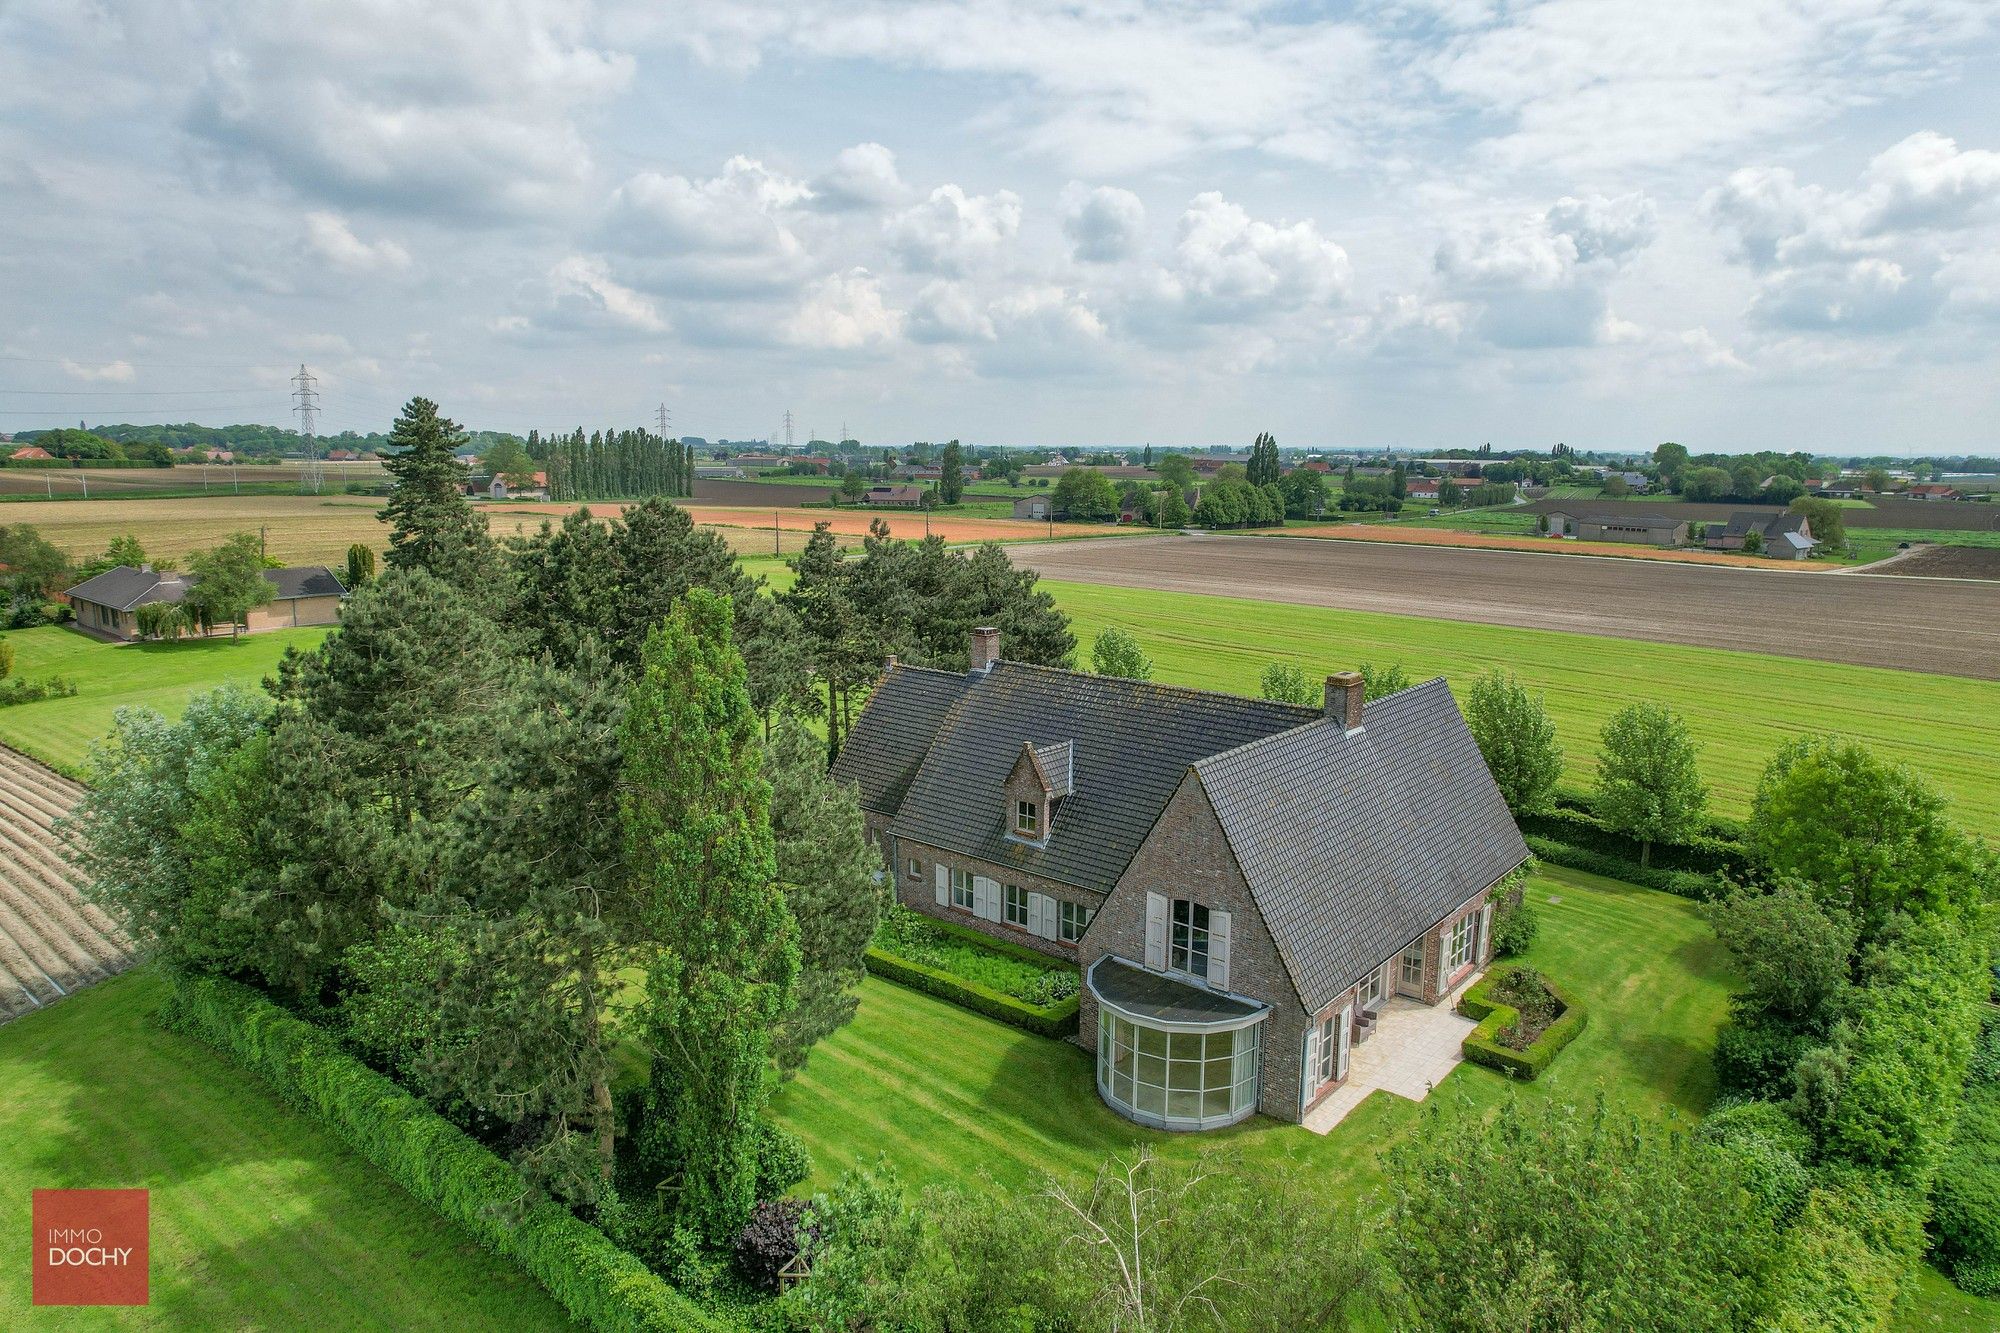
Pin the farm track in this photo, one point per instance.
(1945, 626)
(51, 941)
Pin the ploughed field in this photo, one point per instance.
(1951, 628)
(51, 942)
(1946, 562)
(1879, 511)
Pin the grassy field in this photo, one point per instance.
(259, 1218)
(157, 675)
(1739, 706)
(1017, 1106)
(301, 529)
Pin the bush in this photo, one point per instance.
(1966, 1199)
(782, 1159)
(600, 1284)
(1486, 1003)
(1756, 1055)
(1057, 1020)
(1514, 927)
(1842, 1262)
(1033, 978)
(1681, 883)
(771, 1239)
(34, 691)
(1771, 1151)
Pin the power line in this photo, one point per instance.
(306, 395)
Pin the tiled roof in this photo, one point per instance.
(1336, 832)
(1132, 743)
(1622, 518)
(1767, 524)
(888, 742)
(125, 587)
(1058, 765)
(305, 581)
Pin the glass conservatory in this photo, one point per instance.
(1173, 1055)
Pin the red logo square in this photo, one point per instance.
(90, 1247)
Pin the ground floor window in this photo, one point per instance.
(1073, 921)
(1177, 1080)
(961, 889)
(1413, 967)
(1016, 904)
(1329, 1045)
(1460, 953)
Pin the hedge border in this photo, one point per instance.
(1481, 1045)
(603, 1286)
(1680, 883)
(1056, 1021)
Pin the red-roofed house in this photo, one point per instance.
(1933, 490)
(28, 454)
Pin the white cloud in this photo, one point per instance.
(741, 211)
(328, 237)
(952, 232)
(454, 106)
(110, 372)
(844, 312)
(946, 312)
(1229, 266)
(579, 293)
(862, 178)
(1103, 225)
(1543, 280)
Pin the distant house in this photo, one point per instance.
(1208, 466)
(1644, 527)
(895, 497)
(1319, 465)
(29, 454)
(341, 456)
(1933, 490)
(107, 604)
(716, 471)
(219, 455)
(1636, 482)
(1780, 536)
(537, 489)
(1034, 506)
(916, 472)
(1837, 488)
(1423, 488)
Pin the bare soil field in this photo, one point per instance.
(51, 941)
(1884, 511)
(753, 494)
(1865, 619)
(302, 529)
(1487, 541)
(844, 522)
(1944, 562)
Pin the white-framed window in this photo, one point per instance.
(1459, 953)
(961, 889)
(916, 868)
(1028, 819)
(1413, 966)
(1189, 939)
(1074, 920)
(1014, 905)
(1329, 1045)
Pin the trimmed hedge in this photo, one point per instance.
(1482, 1046)
(1681, 883)
(1966, 1200)
(603, 1286)
(1057, 1020)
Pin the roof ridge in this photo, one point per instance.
(1191, 691)
(1317, 721)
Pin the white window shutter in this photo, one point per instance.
(1042, 915)
(1485, 933)
(1218, 950)
(986, 897)
(1444, 956)
(943, 887)
(1156, 931)
(1309, 1064)
(1342, 1033)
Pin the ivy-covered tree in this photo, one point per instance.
(431, 524)
(1648, 779)
(697, 822)
(1516, 738)
(833, 879)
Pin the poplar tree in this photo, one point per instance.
(696, 810)
(951, 474)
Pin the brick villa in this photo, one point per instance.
(1245, 884)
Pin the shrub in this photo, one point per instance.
(1514, 927)
(1966, 1198)
(1037, 981)
(1840, 1265)
(782, 1159)
(1793, 951)
(1485, 1002)
(771, 1239)
(34, 691)
(1771, 1151)
(1682, 883)
(603, 1286)
(1756, 1054)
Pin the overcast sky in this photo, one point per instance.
(1733, 223)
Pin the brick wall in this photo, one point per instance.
(920, 894)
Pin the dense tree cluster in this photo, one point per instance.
(615, 465)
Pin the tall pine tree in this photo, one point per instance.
(696, 810)
(431, 524)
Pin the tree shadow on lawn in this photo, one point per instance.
(258, 1216)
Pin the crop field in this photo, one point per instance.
(1740, 706)
(849, 522)
(52, 943)
(1881, 511)
(220, 478)
(298, 529)
(58, 732)
(1488, 531)
(259, 1218)
(1948, 562)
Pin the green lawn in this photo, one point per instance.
(948, 1094)
(107, 675)
(1740, 706)
(259, 1218)
(1930, 1304)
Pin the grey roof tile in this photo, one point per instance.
(888, 742)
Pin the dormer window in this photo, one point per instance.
(1028, 819)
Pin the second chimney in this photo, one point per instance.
(985, 648)
(1344, 692)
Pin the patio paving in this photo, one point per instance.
(1414, 1046)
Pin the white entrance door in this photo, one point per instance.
(1344, 1036)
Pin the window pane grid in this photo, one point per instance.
(1185, 1080)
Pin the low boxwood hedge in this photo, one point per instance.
(603, 1286)
(1482, 1045)
(1056, 1020)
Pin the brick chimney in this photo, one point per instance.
(1344, 690)
(985, 648)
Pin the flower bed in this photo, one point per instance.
(1524, 1020)
(1014, 985)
